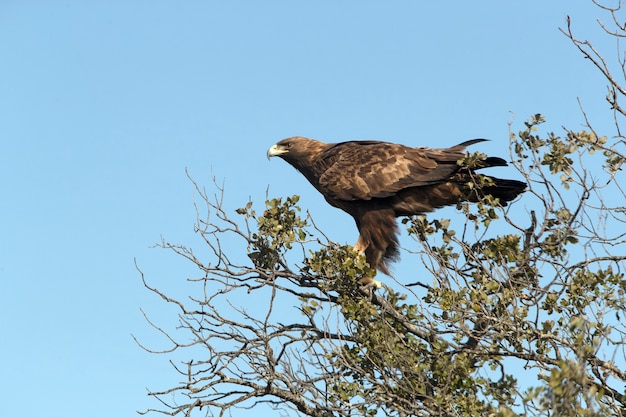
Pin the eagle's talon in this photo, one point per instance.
(370, 282)
(376, 284)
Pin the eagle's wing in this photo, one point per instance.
(362, 170)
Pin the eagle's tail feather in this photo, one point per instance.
(504, 190)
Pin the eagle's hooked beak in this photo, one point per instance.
(276, 150)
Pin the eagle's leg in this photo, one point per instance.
(367, 280)
(360, 246)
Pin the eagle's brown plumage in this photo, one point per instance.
(375, 182)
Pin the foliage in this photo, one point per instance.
(522, 322)
(518, 311)
(277, 229)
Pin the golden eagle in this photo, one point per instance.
(375, 182)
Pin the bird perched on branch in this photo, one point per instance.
(375, 182)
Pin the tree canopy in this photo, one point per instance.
(517, 310)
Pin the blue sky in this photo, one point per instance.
(103, 105)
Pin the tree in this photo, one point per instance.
(521, 312)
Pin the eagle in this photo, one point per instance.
(375, 182)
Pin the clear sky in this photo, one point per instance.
(103, 104)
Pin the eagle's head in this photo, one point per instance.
(279, 148)
(301, 153)
(296, 148)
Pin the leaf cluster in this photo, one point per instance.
(278, 228)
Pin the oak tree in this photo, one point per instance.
(512, 311)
